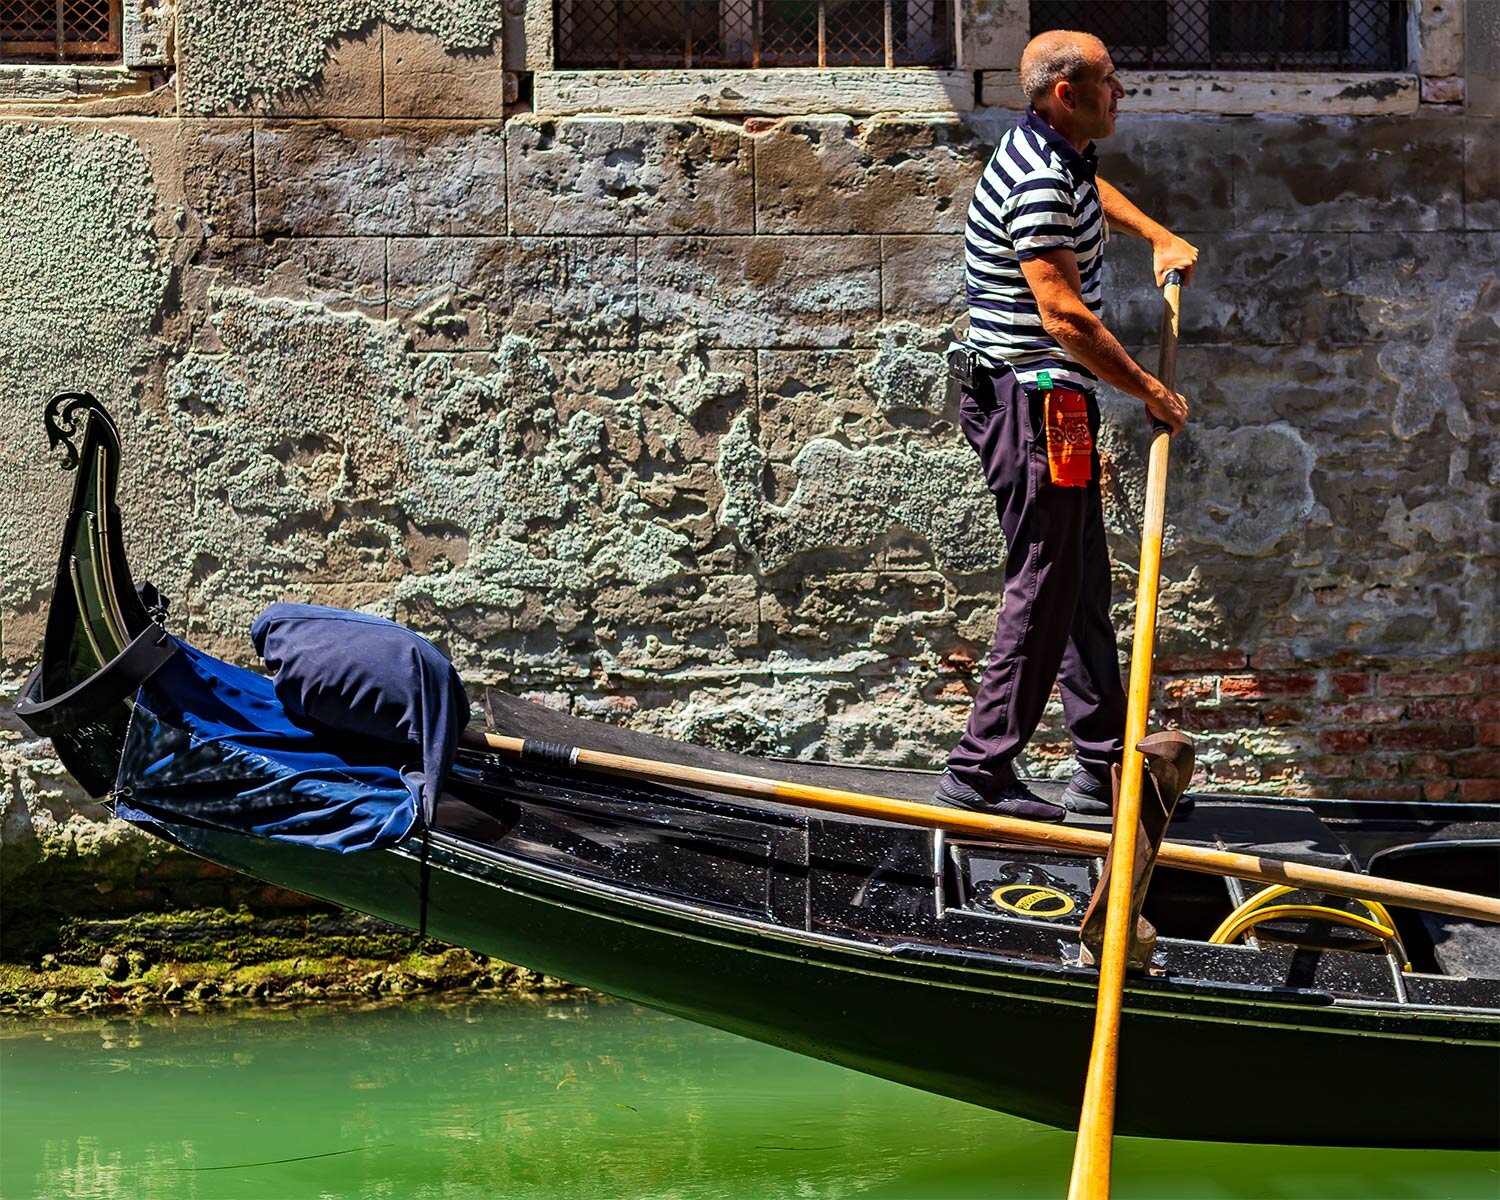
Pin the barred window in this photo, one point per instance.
(1238, 35)
(753, 33)
(59, 31)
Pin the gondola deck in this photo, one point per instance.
(945, 962)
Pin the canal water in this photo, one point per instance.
(485, 1098)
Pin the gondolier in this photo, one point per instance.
(1034, 255)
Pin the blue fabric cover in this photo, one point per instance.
(351, 673)
(211, 744)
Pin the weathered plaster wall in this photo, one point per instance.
(644, 417)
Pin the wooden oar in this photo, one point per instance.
(1093, 1150)
(1010, 829)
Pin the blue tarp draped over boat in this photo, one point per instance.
(353, 673)
(215, 744)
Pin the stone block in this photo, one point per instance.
(853, 508)
(605, 175)
(342, 274)
(810, 393)
(1376, 174)
(895, 394)
(458, 292)
(773, 92)
(1438, 289)
(1249, 93)
(1177, 170)
(1248, 288)
(922, 279)
(889, 175)
(425, 78)
(1440, 37)
(1323, 391)
(351, 178)
(218, 175)
(762, 291)
(1442, 89)
(663, 416)
(346, 84)
(994, 32)
(1481, 173)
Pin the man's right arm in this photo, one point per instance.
(1054, 281)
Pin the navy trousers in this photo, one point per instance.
(1054, 625)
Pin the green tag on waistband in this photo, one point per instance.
(1044, 380)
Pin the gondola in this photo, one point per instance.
(946, 962)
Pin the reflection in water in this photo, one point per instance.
(487, 1097)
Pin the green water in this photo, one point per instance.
(498, 1098)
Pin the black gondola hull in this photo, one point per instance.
(1242, 1068)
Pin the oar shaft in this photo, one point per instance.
(1063, 838)
(1096, 1124)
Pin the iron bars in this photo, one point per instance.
(646, 34)
(59, 31)
(1238, 35)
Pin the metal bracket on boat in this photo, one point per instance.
(61, 419)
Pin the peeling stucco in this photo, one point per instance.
(238, 52)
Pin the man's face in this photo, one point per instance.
(1096, 99)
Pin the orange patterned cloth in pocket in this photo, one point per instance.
(1070, 445)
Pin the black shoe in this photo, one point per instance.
(1012, 800)
(1088, 795)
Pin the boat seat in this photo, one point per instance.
(1457, 946)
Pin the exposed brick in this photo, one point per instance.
(1255, 687)
(1489, 734)
(1350, 683)
(1375, 767)
(1456, 683)
(1363, 712)
(1198, 687)
(1432, 710)
(1330, 767)
(1478, 708)
(1477, 764)
(1283, 714)
(1215, 660)
(1272, 658)
(1234, 716)
(1479, 789)
(1235, 771)
(1424, 737)
(1383, 791)
(1489, 679)
(1428, 764)
(1343, 741)
(1438, 789)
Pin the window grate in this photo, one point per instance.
(623, 34)
(59, 31)
(1238, 35)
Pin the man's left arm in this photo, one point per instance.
(1168, 251)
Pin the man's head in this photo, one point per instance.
(1070, 80)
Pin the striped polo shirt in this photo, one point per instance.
(1036, 194)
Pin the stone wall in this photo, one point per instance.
(643, 417)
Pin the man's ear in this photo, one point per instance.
(1063, 95)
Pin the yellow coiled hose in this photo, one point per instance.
(1259, 908)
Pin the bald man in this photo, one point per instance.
(1034, 256)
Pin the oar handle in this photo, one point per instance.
(1166, 371)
